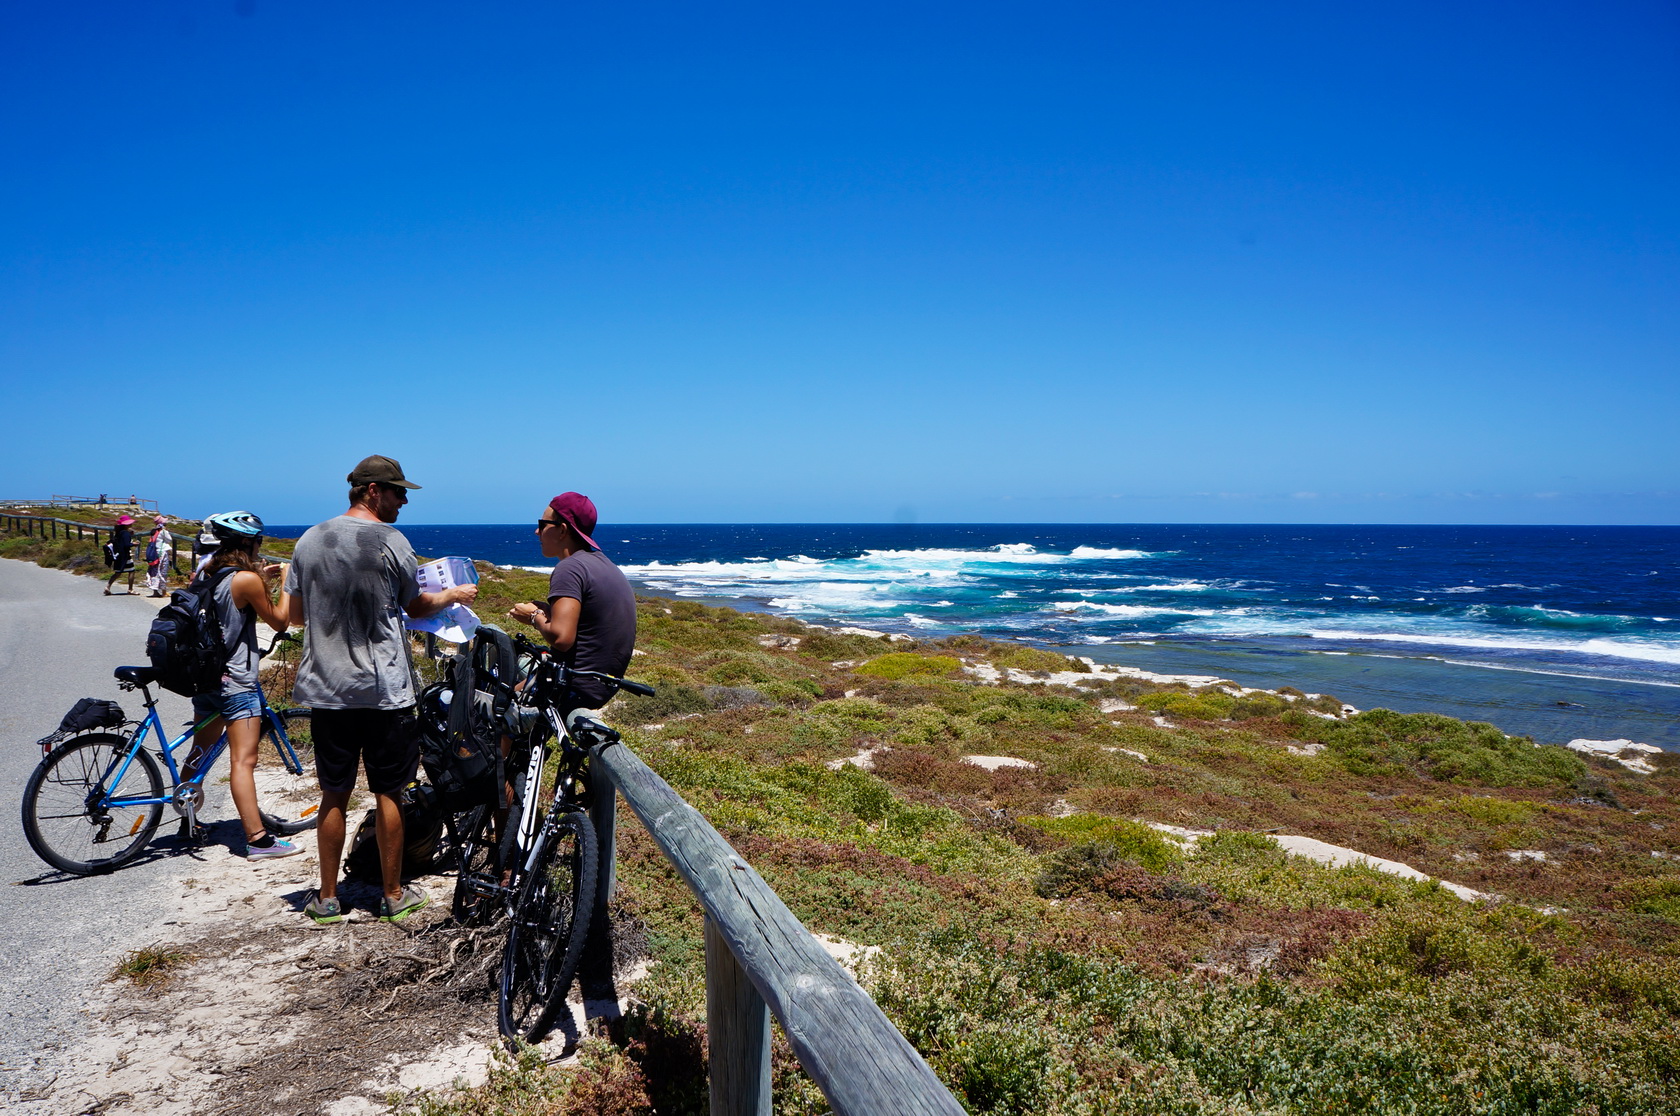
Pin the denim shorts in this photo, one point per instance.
(233, 707)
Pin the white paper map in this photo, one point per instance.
(456, 623)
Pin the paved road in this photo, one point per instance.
(60, 638)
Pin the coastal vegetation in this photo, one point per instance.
(1111, 921)
(1048, 947)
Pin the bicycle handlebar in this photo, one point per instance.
(567, 672)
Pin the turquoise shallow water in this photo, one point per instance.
(1557, 632)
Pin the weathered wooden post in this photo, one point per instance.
(603, 814)
(738, 1033)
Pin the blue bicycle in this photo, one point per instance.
(95, 800)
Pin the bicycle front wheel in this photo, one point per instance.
(293, 789)
(476, 900)
(549, 927)
(66, 816)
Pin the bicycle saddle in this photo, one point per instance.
(139, 675)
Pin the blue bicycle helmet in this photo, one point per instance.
(234, 526)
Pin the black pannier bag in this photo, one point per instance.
(92, 713)
(87, 714)
(185, 643)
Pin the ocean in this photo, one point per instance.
(1554, 632)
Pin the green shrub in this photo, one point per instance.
(902, 665)
(1382, 742)
(1126, 843)
(1235, 846)
(1033, 659)
(1206, 705)
(669, 700)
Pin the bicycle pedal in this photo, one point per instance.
(192, 834)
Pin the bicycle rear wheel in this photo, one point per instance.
(297, 794)
(480, 871)
(549, 927)
(62, 816)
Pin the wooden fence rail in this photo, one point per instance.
(761, 959)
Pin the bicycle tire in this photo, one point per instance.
(58, 821)
(549, 928)
(300, 786)
(480, 863)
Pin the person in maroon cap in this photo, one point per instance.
(590, 617)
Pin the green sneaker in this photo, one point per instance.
(412, 899)
(324, 910)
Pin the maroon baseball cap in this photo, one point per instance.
(576, 511)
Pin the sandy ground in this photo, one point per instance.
(271, 1014)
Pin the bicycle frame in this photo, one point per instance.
(181, 793)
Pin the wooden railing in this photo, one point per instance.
(51, 527)
(760, 960)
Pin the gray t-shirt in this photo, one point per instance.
(353, 577)
(606, 631)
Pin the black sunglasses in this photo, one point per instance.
(541, 523)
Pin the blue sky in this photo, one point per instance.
(1171, 262)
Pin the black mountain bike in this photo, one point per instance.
(539, 868)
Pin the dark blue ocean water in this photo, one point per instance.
(1558, 632)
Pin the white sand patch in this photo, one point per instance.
(785, 642)
(1625, 752)
(1324, 853)
(992, 763)
(1525, 854)
(890, 637)
(1139, 756)
(1185, 837)
(1335, 856)
(1114, 705)
(1062, 809)
(1162, 722)
(864, 759)
(1306, 749)
(176, 1050)
(851, 957)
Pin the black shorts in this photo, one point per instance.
(385, 741)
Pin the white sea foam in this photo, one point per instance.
(1608, 648)
(1535, 670)
(1130, 610)
(1463, 589)
(1087, 552)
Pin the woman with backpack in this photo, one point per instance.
(241, 599)
(157, 564)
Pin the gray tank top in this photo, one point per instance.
(239, 636)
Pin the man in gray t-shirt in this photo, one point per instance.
(351, 580)
(355, 654)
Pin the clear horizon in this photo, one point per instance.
(1077, 263)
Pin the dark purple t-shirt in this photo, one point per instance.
(606, 632)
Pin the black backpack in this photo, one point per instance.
(185, 643)
(461, 722)
(422, 833)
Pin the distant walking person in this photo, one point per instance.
(121, 553)
(241, 598)
(351, 579)
(158, 546)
